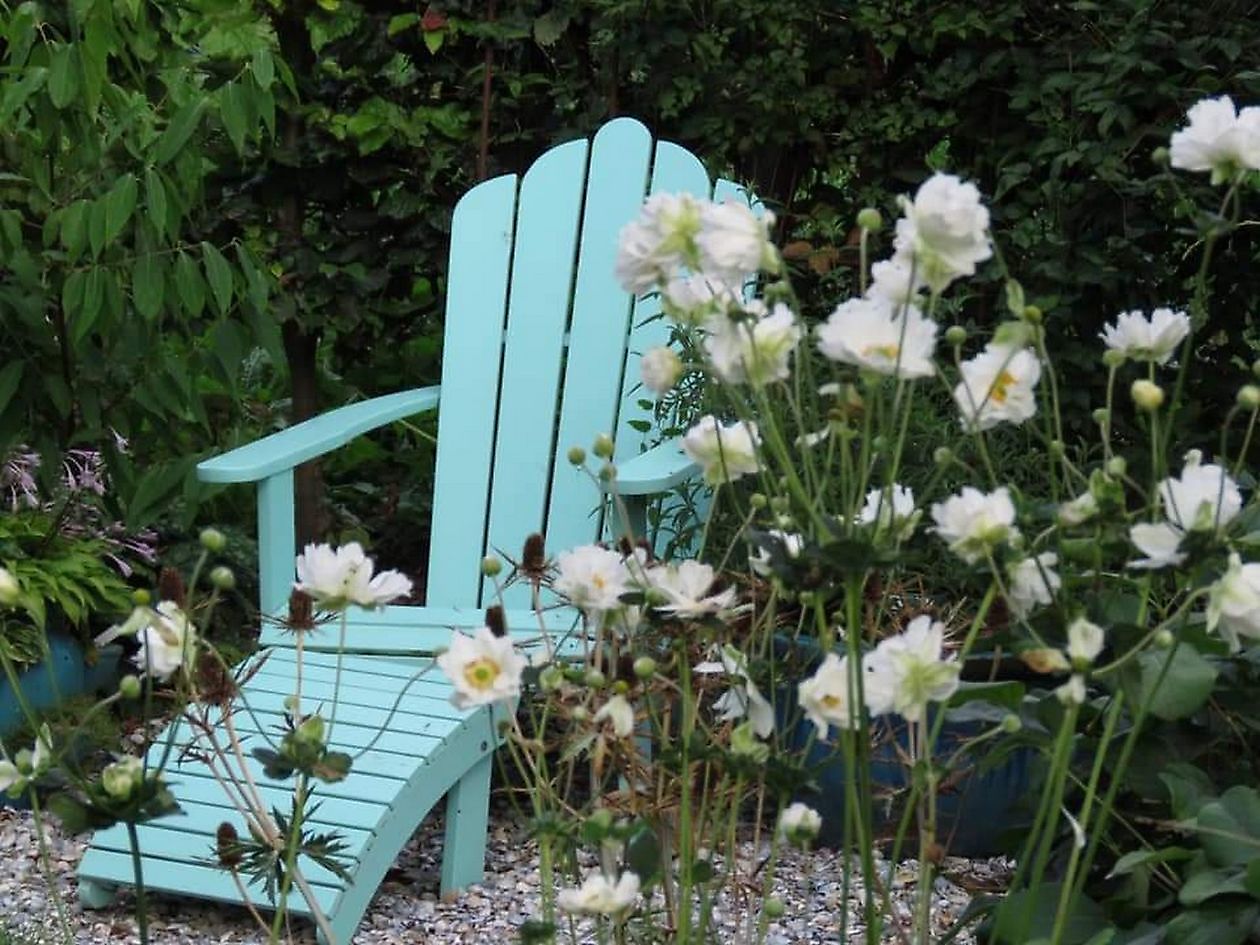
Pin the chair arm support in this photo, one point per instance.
(315, 437)
(656, 470)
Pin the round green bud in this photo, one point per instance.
(491, 566)
(869, 218)
(129, 686)
(141, 598)
(942, 456)
(1160, 156)
(879, 443)
(1117, 467)
(594, 678)
(774, 908)
(807, 598)
(758, 500)
(291, 702)
(1113, 358)
(1032, 314)
(1057, 449)
(551, 678)
(607, 472)
(780, 504)
(601, 819)
(581, 713)
(620, 687)
(1102, 416)
(955, 335)
(603, 446)
(213, 540)
(1164, 639)
(785, 522)
(1147, 395)
(1249, 397)
(577, 455)
(222, 577)
(1255, 367)
(645, 667)
(1011, 723)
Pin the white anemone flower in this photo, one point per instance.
(907, 671)
(695, 298)
(790, 543)
(799, 824)
(973, 523)
(1078, 511)
(1072, 692)
(743, 699)
(685, 586)
(998, 386)
(1234, 604)
(168, 641)
(483, 668)
(1032, 582)
(725, 452)
(874, 334)
(660, 242)
(620, 713)
(755, 349)
(335, 578)
(1085, 641)
(592, 578)
(1203, 498)
(891, 511)
(734, 242)
(824, 697)
(599, 895)
(1217, 139)
(1147, 339)
(896, 280)
(945, 231)
(660, 368)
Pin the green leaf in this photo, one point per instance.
(63, 75)
(1210, 883)
(433, 40)
(263, 67)
(1252, 878)
(1009, 694)
(120, 202)
(643, 852)
(190, 286)
(219, 274)
(232, 112)
(1135, 858)
(74, 228)
(157, 485)
(10, 377)
(96, 227)
(93, 299)
(148, 284)
(1217, 923)
(401, 22)
(1229, 827)
(549, 27)
(1026, 910)
(179, 130)
(1189, 788)
(1184, 689)
(72, 293)
(155, 200)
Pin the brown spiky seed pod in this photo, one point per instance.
(301, 611)
(534, 555)
(228, 846)
(496, 621)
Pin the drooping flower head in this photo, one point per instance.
(1202, 499)
(870, 333)
(168, 641)
(897, 280)
(1032, 582)
(891, 511)
(743, 699)
(799, 824)
(824, 697)
(998, 386)
(660, 368)
(734, 242)
(657, 245)
(685, 588)
(1147, 339)
(725, 452)
(973, 523)
(755, 349)
(945, 231)
(336, 578)
(483, 668)
(1234, 604)
(907, 671)
(1218, 139)
(1085, 641)
(599, 895)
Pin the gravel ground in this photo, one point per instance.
(408, 909)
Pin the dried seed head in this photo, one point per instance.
(496, 621)
(534, 555)
(171, 587)
(228, 846)
(301, 611)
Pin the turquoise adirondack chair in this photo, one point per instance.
(541, 352)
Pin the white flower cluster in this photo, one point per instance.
(27, 765)
(1219, 139)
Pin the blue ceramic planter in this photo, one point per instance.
(62, 676)
(977, 810)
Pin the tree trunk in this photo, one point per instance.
(301, 349)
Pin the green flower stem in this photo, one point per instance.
(858, 757)
(137, 869)
(1067, 896)
(341, 650)
(921, 755)
(45, 862)
(1109, 406)
(292, 842)
(1181, 613)
(1246, 444)
(685, 851)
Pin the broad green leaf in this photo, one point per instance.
(72, 293)
(1252, 878)
(1135, 858)
(263, 67)
(549, 27)
(433, 40)
(148, 285)
(120, 202)
(10, 377)
(155, 200)
(179, 130)
(219, 275)
(1217, 923)
(93, 300)
(96, 227)
(1229, 827)
(1009, 694)
(1183, 690)
(1026, 910)
(232, 112)
(190, 286)
(1188, 789)
(401, 22)
(63, 75)
(155, 486)
(74, 228)
(1205, 885)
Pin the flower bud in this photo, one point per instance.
(577, 455)
(213, 540)
(1102, 416)
(620, 687)
(645, 667)
(1160, 156)
(581, 713)
(1057, 449)
(1032, 314)
(1117, 467)
(758, 500)
(129, 686)
(291, 702)
(141, 598)
(879, 443)
(1147, 395)
(311, 731)
(607, 472)
(121, 778)
(603, 446)
(491, 566)
(774, 908)
(551, 678)
(807, 598)
(1249, 397)
(955, 335)
(601, 819)
(1164, 639)
(780, 504)
(869, 218)
(9, 589)
(942, 456)
(1113, 357)
(1011, 723)
(1013, 334)
(222, 578)
(595, 678)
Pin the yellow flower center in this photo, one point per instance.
(1000, 385)
(888, 351)
(599, 581)
(481, 673)
(830, 701)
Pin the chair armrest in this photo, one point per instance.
(315, 437)
(657, 470)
